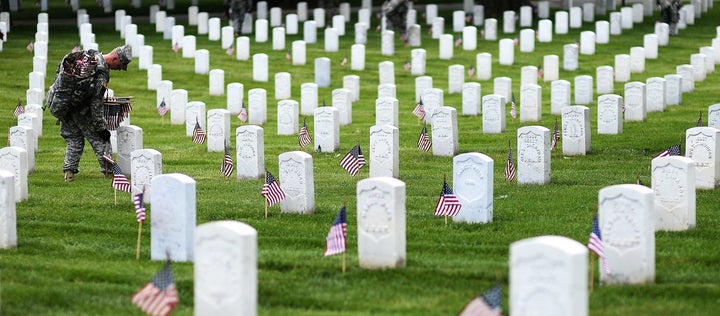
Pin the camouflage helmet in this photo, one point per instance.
(125, 55)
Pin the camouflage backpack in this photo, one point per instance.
(74, 83)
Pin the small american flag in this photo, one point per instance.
(673, 150)
(304, 136)
(227, 166)
(513, 109)
(243, 116)
(596, 244)
(288, 56)
(458, 41)
(510, 166)
(30, 46)
(271, 190)
(516, 41)
(158, 297)
(119, 181)
(139, 207)
(471, 71)
(344, 61)
(353, 160)
(448, 204)
(230, 50)
(699, 121)
(407, 66)
(419, 110)
(424, 141)
(555, 135)
(337, 237)
(540, 71)
(76, 48)
(198, 135)
(18, 109)
(175, 47)
(487, 304)
(162, 108)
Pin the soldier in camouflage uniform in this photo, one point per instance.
(395, 12)
(670, 13)
(237, 10)
(76, 99)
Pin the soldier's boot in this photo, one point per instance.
(69, 176)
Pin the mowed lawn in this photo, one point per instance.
(77, 241)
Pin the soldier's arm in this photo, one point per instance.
(97, 108)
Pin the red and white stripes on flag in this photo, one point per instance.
(158, 297)
(353, 160)
(243, 115)
(419, 110)
(227, 166)
(198, 135)
(448, 204)
(271, 190)
(555, 135)
(510, 166)
(424, 141)
(596, 244)
(487, 304)
(513, 108)
(337, 237)
(120, 181)
(162, 108)
(18, 109)
(304, 136)
(139, 207)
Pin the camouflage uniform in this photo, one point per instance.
(76, 99)
(237, 10)
(395, 12)
(670, 13)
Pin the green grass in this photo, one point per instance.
(76, 246)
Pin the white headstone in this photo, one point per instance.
(655, 94)
(438, 27)
(503, 87)
(637, 59)
(615, 23)
(260, 67)
(484, 66)
(14, 160)
(493, 118)
(23, 137)
(217, 82)
(491, 29)
(8, 214)
(444, 132)
(576, 16)
(626, 221)
(129, 139)
(432, 98)
(530, 103)
(422, 84)
(551, 68)
(702, 145)
(508, 21)
(570, 57)
(534, 262)
(226, 269)
(446, 46)
(635, 109)
(327, 129)
(561, 22)
(610, 114)
(544, 31)
(283, 86)
(584, 89)
(575, 130)
(626, 21)
(331, 40)
(469, 38)
(218, 130)
(473, 186)
(297, 181)
(257, 106)
(384, 151)
(381, 223)
(144, 165)
(688, 80)
(310, 32)
(471, 97)
(605, 79)
(587, 43)
(673, 181)
(322, 72)
(456, 78)
(250, 152)
(194, 113)
(506, 52)
(528, 75)
(559, 96)
(287, 117)
(299, 55)
(602, 32)
(202, 61)
(173, 218)
(713, 117)
(622, 68)
(308, 98)
(386, 111)
(387, 43)
(178, 103)
(533, 155)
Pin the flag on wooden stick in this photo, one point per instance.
(424, 141)
(337, 237)
(158, 297)
(353, 160)
(18, 109)
(304, 136)
(596, 244)
(448, 204)
(271, 190)
(198, 135)
(487, 304)
(227, 167)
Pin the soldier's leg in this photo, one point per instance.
(100, 147)
(75, 144)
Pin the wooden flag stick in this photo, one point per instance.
(446, 219)
(343, 263)
(592, 271)
(163, 121)
(115, 191)
(137, 249)
(266, 208)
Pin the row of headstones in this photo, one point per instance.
(225, 253)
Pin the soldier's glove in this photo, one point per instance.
(105, 135)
